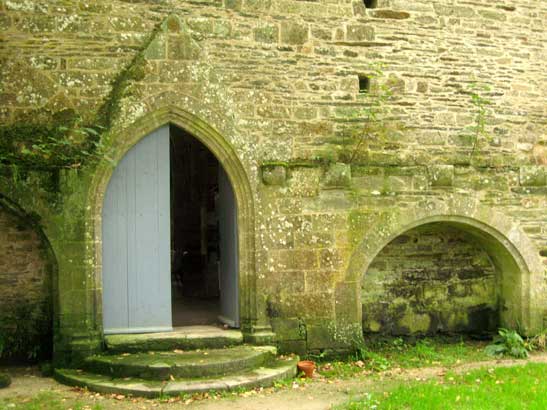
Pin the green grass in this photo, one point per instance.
(510, 388)
(397, 353)
(431, 352)
(46, 401)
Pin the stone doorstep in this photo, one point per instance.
(185, 338)
(263, 376)
(163, 365)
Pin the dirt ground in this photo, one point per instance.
(319, 394)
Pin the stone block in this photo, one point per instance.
(304, 181)
(289, 329)
(533, 175)
(493, 15)
(441, 175)
(233, 4)
(156, 50)
(292, 346)
(390, 14)
(319, 336)
(294, 33)
(359, 8)
(346, 306)
(274, 174)
(266, 34)
(360, 32)
(297, 259)
(258, 5)
(182, 47)
(172, 24)
(338, 175)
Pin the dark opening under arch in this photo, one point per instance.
(441, 277)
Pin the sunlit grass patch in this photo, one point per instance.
(45, 401)
(519, 387)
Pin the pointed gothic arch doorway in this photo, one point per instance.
(170, 243)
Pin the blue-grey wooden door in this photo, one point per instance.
(227, 213)
(136, 240)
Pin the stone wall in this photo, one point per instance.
(432, 279)
(279, 82)
(25, 290)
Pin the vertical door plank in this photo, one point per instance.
(136, 240)
(229, 286)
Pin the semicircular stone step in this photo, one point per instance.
(195, 363)
(281, 368)
(187, 338)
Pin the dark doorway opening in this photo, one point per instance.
(195, 253)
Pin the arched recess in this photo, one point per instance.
(30, 269)
(124, 140)
(510, 250)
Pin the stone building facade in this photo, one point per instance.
(388, 163)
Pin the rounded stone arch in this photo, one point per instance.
(510, 250)
(32, 271)
(124, 140)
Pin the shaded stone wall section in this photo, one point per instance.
(25, 287)
(432, 279)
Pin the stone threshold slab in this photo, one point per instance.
(185, 338)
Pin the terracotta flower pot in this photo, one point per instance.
(307, 367)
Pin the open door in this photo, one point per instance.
(228, 276)
(170, 243)
(136, 240)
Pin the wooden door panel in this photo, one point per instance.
(136, 240)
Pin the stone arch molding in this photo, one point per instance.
(512, 253)
(122, 141)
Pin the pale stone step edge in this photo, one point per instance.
(263, 376)
(250, 357)
(186, 337)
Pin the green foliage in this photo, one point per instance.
(428, 352)
(507, 343)
(372, 360)
(47, 400)
(25, 334)
(46, 369)
(376, 127)
(5, 380)
(388, 354)
(481, 105)
(537, 342)
(66, 142)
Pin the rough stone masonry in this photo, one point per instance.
(347, 212)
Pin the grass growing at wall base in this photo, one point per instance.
(520, 387)
(397, 353)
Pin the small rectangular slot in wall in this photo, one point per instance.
(371, 4)
(364, 84)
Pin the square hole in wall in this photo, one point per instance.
(371, 4)
(364, 84)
